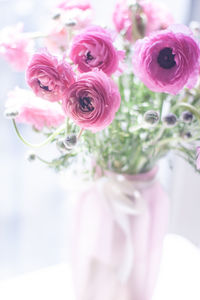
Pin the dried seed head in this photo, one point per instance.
(31, 156)
(11, 113)
(71, 23)
(151, 117)
(70, 141)
(170, 120)
(187, 116)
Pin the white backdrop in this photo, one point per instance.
(33, 205)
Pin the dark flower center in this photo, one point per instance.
(44, 87)
(85, 104)
(89, 56)
(166, 58)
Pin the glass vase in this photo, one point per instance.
(119, 223)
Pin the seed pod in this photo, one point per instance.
(11, 113)
(151, 117)
(70, 141)
(61, 146)
(170, 120)
(187, 116)
(188, 135)
(71, 23)
(31, 156)
(56, 16)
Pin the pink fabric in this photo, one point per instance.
(99, 246)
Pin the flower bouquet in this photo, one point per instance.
(114, 101)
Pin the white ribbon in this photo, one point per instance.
(124, 198)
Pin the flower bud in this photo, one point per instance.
(187, 135)
(151, 117)
(195, 27)
(170, 120)
(61, 146)
(187, 116)
(11, 113)
(71, 23)
(56, 16)
(31, 156)
(70, 141)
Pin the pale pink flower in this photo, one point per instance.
(48, 77)
(92, 101)
(198, 158)
(15, 47)
(79, 11)
(71, 4)
(167, 60)
(57, 37)
(93, 48)
(155, 16)
(33, 110)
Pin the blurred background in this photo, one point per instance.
(34, 210)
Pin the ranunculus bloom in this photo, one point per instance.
(198, 158)
(48, 77)
(93, 48)
(15, 47)
(167, 60)
(57, 37)
(75, 10)
(34, 110)
(92, 101)
(154, 16)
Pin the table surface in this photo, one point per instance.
(179, 277)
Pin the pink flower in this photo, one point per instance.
(158, 17)
(167, 60)
(14, 47)
(34, 110)
(92, 101)
(75, 10)
(198, 158)
(93, 48)
(71, 4)
(57, 38)
(147, 16)
(48, 77)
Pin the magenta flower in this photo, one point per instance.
(33, 110)
(48, 77)
(15, 47)
(167, 60)
(92, 101)
(198, 158)
(154, 15)
(93, 48)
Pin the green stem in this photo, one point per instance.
(45, 142)
(189, 107)
(49, 163)
(177, 139)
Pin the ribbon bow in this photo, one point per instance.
(123, 197)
